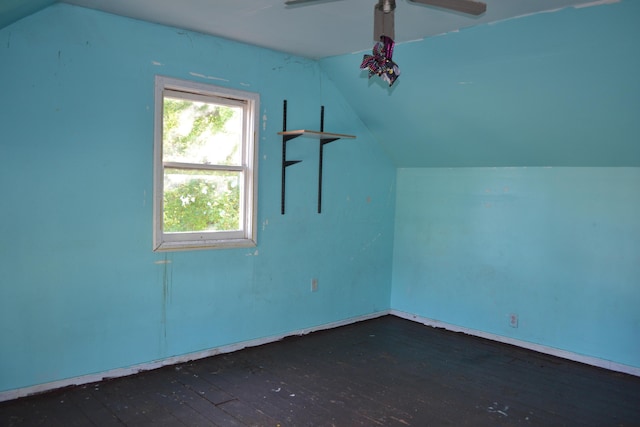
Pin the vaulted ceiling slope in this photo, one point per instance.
(14, 10)
(552, 89)
(539, 89)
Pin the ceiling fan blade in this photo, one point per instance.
(465, 6)
(305, 2)
(383, 22)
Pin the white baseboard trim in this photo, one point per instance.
(589, 360)
(123, 372)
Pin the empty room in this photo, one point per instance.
(320, 212)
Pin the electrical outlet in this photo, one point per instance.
(314, 285)
(513, 320)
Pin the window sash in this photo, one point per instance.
(202, 166)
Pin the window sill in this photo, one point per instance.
(205, 244)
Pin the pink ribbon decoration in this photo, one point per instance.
(380, 63)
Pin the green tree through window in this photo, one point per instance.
(198, 200)
(199, 205)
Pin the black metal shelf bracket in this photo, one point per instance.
(323, 142)
(285, 163)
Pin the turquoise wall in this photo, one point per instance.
(559, 247)
(81, 290)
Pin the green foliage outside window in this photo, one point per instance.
(194, 203)
(205, 119)
(199, 205)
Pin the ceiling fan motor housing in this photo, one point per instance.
(387, 6)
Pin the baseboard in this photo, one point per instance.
(594, 361)
(123, 372)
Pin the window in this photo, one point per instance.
(204, 166)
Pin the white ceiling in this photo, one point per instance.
(328, 28)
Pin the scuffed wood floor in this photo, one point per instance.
(382, 372)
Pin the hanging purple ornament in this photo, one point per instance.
(381, 63)
(375, 62)
(388, 46)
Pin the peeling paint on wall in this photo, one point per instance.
(371, 242)
(208, 77)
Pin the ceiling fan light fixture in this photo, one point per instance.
(469, 7)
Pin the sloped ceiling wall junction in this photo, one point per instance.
(553, 89)
(14, 10)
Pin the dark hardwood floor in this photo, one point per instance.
(382, 372)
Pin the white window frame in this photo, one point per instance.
(246, 237)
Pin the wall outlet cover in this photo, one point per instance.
(513, 320)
